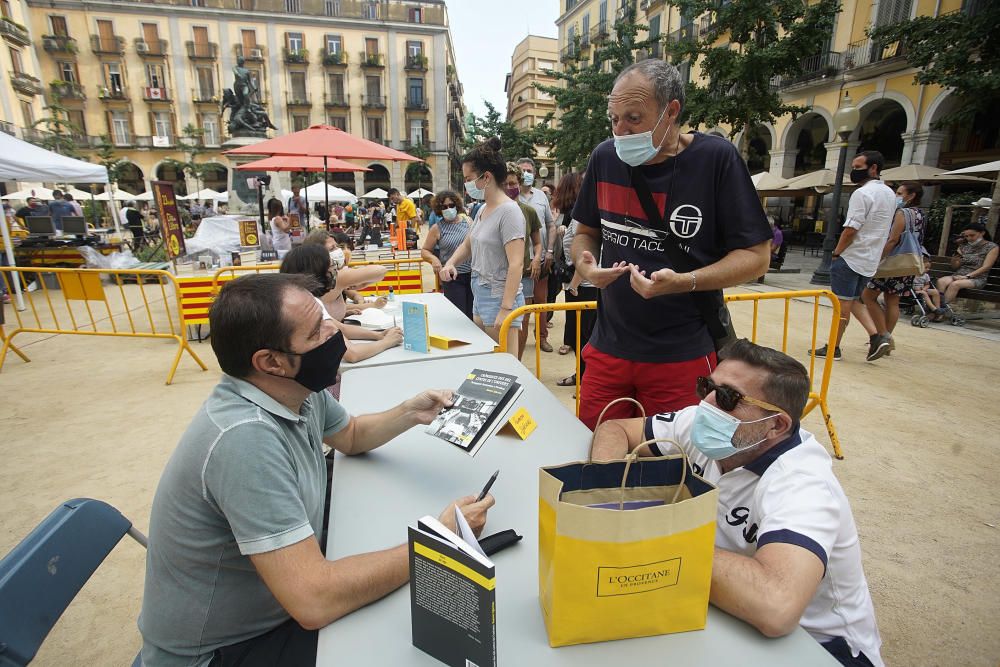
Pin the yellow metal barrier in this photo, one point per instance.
(816, 398)
(405, 278)
(151, 311)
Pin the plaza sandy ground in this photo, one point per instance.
(92, 418)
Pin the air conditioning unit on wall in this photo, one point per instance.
(141, 47)
(256, 53)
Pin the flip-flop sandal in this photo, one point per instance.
(565, 349)
(567, 381)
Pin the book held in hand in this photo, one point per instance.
(452, 594)
(479, 406)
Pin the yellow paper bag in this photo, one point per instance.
(609, 572)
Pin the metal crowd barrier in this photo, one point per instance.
(68, 301)
(816, 397)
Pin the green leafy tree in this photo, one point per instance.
(516, 142)
(192, 145)
(415, 171)
(582, 91)
(58, 133)
(960, 50)
(760, 40)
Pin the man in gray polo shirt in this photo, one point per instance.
(235, 573)
(535, 198)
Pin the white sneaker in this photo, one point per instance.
(33, 286)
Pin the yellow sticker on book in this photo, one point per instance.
(522, 423)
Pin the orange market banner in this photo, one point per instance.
(170, 219)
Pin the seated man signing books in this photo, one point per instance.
(235, 572)
(786, 547)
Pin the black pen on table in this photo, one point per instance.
(489, 485)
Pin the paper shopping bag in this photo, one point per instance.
(625, 549)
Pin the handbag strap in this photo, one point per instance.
(632, 457)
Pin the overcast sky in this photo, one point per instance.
(485, 35)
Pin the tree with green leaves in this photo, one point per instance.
(415, 171)
(516, 142)
(58, 133)
(192, 145)
(581, 95)
(748, 44)
(960, 51)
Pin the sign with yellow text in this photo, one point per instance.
(248, 233)
(170, 219)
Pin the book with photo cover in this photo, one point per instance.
(479, 405)
(452, 594)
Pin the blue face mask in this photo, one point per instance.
(636, 149)
(713, 430)
(527, 178)
(474, 191)
(899, 202)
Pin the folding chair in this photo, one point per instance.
(45, 571)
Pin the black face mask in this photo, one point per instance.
(859, 175)
(319, 366)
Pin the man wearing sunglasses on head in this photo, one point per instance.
(787, 550)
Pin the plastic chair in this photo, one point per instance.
(45, 571)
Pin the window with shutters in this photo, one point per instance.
(416, 15)
(339, 122)
(414, 49)
(67, 71)
(331, 7)
(113, 78)
(155, 76)
(415, 91)
(418, 132)
(163, 125)
(892, 11)
(210, 129)
(300, 122)
(15, 60)
(5, 9)
(206, 82)
(294, 41)
(59, 27)
(298, 85)
(371, 10)
(293, 6)
(77, 121)
(121, 132)
(373, 86)
(373, 129)
(334, 44)
(371, 46)
(28, 113)
(249, 40)
(335, 85)
(602, 12)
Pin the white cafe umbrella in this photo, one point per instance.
(315, 192)
(419, 193)
(377, 193)
(987, 168)
(38, 193)
(120, 195)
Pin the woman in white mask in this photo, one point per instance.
(495, 244)
(443, 239)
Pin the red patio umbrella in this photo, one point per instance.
(326, 142)
(300, 163)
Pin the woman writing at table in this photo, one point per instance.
(495, 244)
(313, 260)
(448, 231)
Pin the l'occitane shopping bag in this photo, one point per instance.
(625, 549)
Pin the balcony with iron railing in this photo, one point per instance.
(870, 52)
(373, 101)
(372, 59)
(817, 67)
(296, 56)
(653, 51)
(202, 50)
(600, 32)
(155, 48)
(569, 52)
(339, 100)
(67, 90)
(59, 44)
(205, 95)
(8, 128)
(13, 31)
(25, 83)
(110, 93)
(156, 94)
(107, 45)
(254, 53)
(154, 141)
(333, 58)
(298, 98)
(416, 62)
(416, 103)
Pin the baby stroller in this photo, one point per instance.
(910, 304)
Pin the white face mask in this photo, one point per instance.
(636, 149)
(337, 258)
(449, 214)
(528, 178)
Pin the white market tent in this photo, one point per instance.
(377, 193)
(315, 193)
(22, 195)
(206, 193)
(419, 193)
(21, 161)
(120, 195)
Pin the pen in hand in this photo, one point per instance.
(489, 485)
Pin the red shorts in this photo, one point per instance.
(659, 387)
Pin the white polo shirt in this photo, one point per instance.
(790, 495)
(870, 212)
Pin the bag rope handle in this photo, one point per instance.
(632, 457)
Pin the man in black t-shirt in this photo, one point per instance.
(650, 342)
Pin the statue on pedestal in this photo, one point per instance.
(247, 116)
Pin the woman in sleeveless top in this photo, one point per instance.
(443, 239)
(907, 216)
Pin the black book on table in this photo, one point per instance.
(452, 595)
(480, 402)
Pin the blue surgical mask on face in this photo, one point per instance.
(474, 191)
(713, 430)
(449, 214)
(899, 202)
(527, 178)
(636, 149)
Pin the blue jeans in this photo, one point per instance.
(487, 306)
(845, 282)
